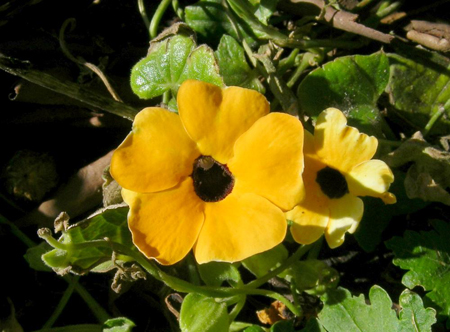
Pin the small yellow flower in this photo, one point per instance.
(337, 170)
(215, 178)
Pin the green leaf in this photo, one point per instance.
(418, 89)
(215, 273)
(283, 326)
(263, 9)
(110, 222)
(413, 316)
(352, 84)
(313, 325)
(169, 63)
(211, 20)
(344, 313)
(34, 257)
(234, 67)
(119, 324)
(312, 276)
(427, 257)
(254, 328)
(262, 263)
(203, 314)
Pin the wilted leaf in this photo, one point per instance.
(427, 257)
(352, 84)
(418, 89)
(275, 313)
(203, 314)
(429, 176)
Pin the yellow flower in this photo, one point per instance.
(337, 170)
(215, 178)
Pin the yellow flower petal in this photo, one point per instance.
(215, 117)
(310, 219)
(340, 146)
(156, 155)
(165, 225)
(345, 215)
(238, 227)
(268, 160)
(370, 178)
(311, 216)
(308, 144)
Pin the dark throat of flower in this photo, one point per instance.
(213, 181)
(332, 182)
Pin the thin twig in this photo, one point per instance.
(83, 62)
(339, 19)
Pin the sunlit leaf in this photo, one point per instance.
(169, 63)
(203, 314)
(263, 9)
(413, 316)
(427, 257)
(343, 312)
(119, 324)
(352, 84)
(234, 67)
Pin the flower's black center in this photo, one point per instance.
(332, 182)
(213, 181)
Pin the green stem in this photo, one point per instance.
(237, 308)
(75, 328)
(177, 9)
(98, 311)
(166, 97)
(305, 63)
(388, 10)
(192, 270)
(288, 62)
(183, 286)
(390, 143)
(157, 17)
(143, 13)
(287, 263)
(62, 303)
(17, 232)
(436, 116)
(315, 250)
(294, 293)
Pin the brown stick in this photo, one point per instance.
(339, 19)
